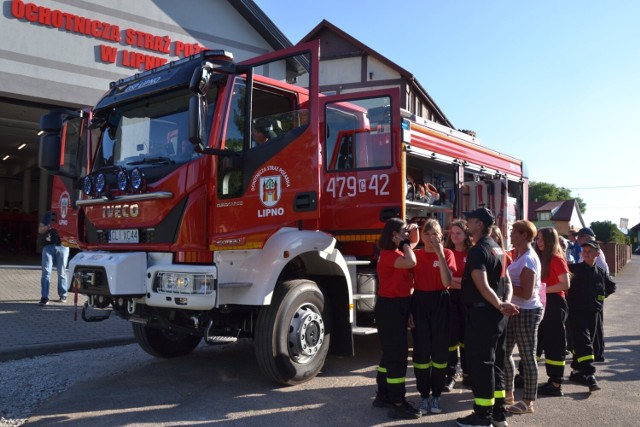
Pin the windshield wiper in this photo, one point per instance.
(153, 161)
(160, 160)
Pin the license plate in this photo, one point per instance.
(124, 236)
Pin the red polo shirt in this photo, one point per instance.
(393, 282)
(427, 271)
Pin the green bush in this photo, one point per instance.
(606, 232)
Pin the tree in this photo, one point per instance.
(606, 232)
(545, 192)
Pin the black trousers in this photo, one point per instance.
(457, 319)
(485, 350)
(392, 317)
(552, 337)
(598, 339)
(430, 312)
(582, 325)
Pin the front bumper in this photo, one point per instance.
(133, 275)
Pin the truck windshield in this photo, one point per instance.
(148, 132)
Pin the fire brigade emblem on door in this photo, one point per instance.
(270, 190)
(64, 205)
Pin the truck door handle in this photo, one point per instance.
(387, 213)
(305, 202)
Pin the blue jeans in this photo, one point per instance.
(58, 255)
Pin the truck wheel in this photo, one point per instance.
(162, 343)
(292, 334)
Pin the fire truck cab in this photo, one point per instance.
(213, 203)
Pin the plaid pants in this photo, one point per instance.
(522, 330)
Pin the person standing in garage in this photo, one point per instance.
(53, 252)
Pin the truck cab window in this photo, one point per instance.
(275, 118)
(150, 134)
(358, 134)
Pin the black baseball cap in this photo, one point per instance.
(591, 243)
(483, 214)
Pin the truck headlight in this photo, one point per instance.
(183, 283)
(87, 185)
(137, 179)
(100, 183)
(122, 179)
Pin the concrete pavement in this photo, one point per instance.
(224, 386)
(27, 329)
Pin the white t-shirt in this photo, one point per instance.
(529, 260)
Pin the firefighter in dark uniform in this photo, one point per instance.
(486, 296)
(590, 285)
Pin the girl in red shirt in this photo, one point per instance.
(552, 336)
(430, 311)
(395, 283)
(459, 241)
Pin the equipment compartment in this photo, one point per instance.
(431, 190)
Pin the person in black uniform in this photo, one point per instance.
(589, 287)
(486, 292)
(584, 235)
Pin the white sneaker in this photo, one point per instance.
(424, 406)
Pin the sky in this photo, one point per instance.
(553, 83)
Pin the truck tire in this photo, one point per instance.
(293, 333)
(164, 344)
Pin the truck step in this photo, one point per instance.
(357, 262)
(138, 319)
(220, 340)
(363, 296)
(363, 330)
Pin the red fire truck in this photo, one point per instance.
(193, 231)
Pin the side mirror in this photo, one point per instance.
(49, 154)
(201, 79)
(51, 122)
(197, 119)
(50, 143)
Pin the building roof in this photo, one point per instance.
(561, 210)
(325, 25)
(261, 23)
(264, 26)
